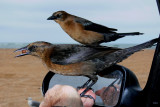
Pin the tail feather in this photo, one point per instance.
(125, 53)
(130, 34)
(115, 36)
(120, 55)
(129, 51)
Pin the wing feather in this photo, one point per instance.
(69, 54)
(88, 25)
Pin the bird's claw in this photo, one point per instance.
(79, 87)
(87, 96)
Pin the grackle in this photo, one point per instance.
(79, 60)
(85, 31)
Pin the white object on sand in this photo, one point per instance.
(32, 103)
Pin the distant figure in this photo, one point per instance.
(85, 31)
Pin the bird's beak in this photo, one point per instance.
(24, 51)
(52, 18)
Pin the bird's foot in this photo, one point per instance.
(79, 87)
(87, 96)
(112, 85)
(115, 88)
(84, 85)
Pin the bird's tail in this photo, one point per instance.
(130, 34)
(115, 36)
(129, 51)
(118, 56)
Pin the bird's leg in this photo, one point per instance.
(88, 87)
(111, 85)
(84, 85)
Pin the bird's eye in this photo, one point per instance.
(59, 15)
(32, 48)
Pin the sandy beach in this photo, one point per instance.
(21, 78)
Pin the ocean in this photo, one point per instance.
(19, 45)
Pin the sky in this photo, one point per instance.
(25, 21)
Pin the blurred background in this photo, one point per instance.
(25, 21)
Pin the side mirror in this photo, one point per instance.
(119, 77)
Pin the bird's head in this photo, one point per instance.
(58, 16)
(35, 49)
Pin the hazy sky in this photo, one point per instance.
(26, 20)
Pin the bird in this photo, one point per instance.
(85, 31)
(78, 59)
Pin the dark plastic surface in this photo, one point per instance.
(129, 86)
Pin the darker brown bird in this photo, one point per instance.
(79, 60)
(85, 31)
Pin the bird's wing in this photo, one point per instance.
(88, 25)
(69, 54)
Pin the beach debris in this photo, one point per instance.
(32, 103)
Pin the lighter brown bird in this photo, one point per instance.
(85, 31)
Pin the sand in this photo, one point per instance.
(21, 78)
